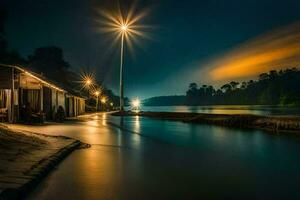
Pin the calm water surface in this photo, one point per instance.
(228, 109)
(142, 158)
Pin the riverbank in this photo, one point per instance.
(275, 124)
(27, 157)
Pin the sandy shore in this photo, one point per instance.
(27, 157)
(275, 124)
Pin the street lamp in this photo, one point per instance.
(136, 105)
(126, 29)
(87, 82)
(103, 100)
(97, 93)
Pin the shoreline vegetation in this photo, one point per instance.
(274, 124)
(26, 158)
(277, 87)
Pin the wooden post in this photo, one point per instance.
(41, 99)
(12, 95)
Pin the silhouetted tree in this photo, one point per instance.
(226, 88)
(244, 85)
(234, 85)
(273, 88)
(193, 87)
(50, 62)
(263, 76)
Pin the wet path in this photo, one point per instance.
(140, 158)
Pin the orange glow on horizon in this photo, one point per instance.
(255, 64)
(276, 49)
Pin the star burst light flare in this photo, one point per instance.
(87, 81)
(124, 26)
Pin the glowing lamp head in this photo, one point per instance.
(103, 100)
(88, 81)
(136, 103)
(97, 93)
(124, 27)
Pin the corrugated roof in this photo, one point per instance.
(46, 81)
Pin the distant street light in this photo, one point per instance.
(136, 105)
(87, 81)
(103, 100)
(97, 93)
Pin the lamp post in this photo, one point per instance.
(97, 98)
(103, 102)
(123, 28)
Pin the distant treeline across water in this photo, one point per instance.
(273, 88)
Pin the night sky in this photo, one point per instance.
(184, 36)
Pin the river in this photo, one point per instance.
(228, 109)
(142, 158)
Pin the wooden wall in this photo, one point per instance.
(5, 77)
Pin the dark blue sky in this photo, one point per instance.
(184, 33)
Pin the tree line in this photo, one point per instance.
(273, 88)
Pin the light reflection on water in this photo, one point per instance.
(90, 175)
(136, 127)
(228, 109)
(104, 119)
